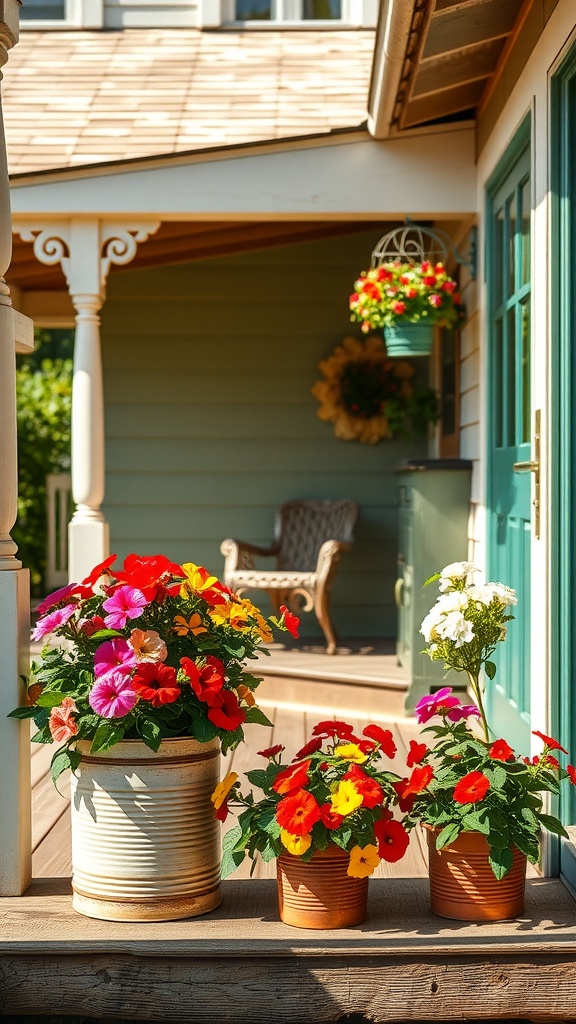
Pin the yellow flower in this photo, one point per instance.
(222, 789)
(234, 614)
(346, 798)
(363, 861)
(295, 844)
(197, 579)
(193, 625)
(350, 752)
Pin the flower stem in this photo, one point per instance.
(476, 689)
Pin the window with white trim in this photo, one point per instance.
(317, 13)
(43, 10)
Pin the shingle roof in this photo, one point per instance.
(73, 98)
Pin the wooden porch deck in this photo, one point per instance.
(241, 965)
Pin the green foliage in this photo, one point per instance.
(44, 402)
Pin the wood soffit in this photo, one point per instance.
(455, 51)
(185, 242)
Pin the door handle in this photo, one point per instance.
(398, 589)
(533, 466)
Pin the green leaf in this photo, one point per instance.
(490, 669)
(105, 634)
(230, 861)
(448, 835)
(50, 698)
(497, 776)
(106, 736)
(204, 730)
(475, 822)
(63, 759)
(151, 733)
(431, 579)
(258, 777)
(42, 736)
(27, 712)
(231, 838)
(500, 861)
(258, 716)
(553, 825)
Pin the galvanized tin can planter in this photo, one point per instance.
(145, 842)
(463, 886)
(320, 893)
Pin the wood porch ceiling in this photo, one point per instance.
(454, 54)
(184, 242)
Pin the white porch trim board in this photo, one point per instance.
(15, 332)
(86, 249)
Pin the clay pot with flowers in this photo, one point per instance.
(406, 299)
(326, 818)
(141, 682)
(481, 803)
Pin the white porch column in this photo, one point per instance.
(86, 249)
(15, 332)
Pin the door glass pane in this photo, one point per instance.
(253, 10)
(41, 9)
(512, 228)
(525, 228)
(510, 432)
(525, 349)
(498, 378)
(498, 258)
(321, 9)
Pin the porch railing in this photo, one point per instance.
(59, 506)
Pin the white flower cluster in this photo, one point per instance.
(446, 620)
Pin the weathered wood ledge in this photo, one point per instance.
(240, 964)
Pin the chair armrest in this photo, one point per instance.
(239, 554)
(329, 556)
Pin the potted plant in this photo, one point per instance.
(406, 300)
(140, 683)
(482, 804)
(325, 817)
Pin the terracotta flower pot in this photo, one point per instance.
(145, 842)
(320, 894)
(463, 886)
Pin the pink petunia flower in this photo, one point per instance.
(49, 623)
(114, 656)
(465, 711)
(55, 598)
(435, 704)
(125, 603)
(112, 695)
(62, 723)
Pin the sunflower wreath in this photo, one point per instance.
(368, 396)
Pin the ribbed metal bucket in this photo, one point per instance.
(463, 886)
(404, 340)
(145, 842)
(320, 894)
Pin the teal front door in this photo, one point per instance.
(509, 413)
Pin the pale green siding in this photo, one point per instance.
(211, 425)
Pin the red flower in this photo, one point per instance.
(330, 818)
(571, 774)
(272, 751)
(207, 682)
(98, 571)
(501, 751)
(90, 626)
(404, 803)
(298, 812)
(553, 762)
(398, 307)
(222, 813)
(383, 274)
(293, 777)
(418, 781)
(290, 621)
(151, 574)
(156, 683)
(392, 839)
(330, 728)
(371, 791)
(381, 736)
(472, 788)
(549, 742)
(366, 746)
(371, 290)
(228, 715)
(416, 754)
(309, 748)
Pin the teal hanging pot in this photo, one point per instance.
(405, 340)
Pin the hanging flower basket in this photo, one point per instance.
(406, 340)
(406, 298)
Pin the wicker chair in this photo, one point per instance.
(309, 537)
